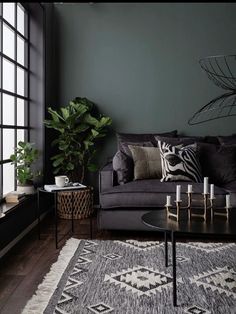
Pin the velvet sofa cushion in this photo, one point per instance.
(147, 162)
(152, 193)
(218, 162)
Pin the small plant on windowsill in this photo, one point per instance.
(24, 157)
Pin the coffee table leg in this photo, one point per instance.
(174, 268)
(72, 212)
(166, 250)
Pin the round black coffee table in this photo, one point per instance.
(220, 226)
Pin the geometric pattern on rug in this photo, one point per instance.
(139, 245)
(140, 280)
(208, 247)
(222, 280)
(83, 261)
(196, 310)
(112, 256)
(86, 251)
(72, 283)
(59, 311)
(89, 244)
(182, 259)
(100, 308)
(122, 277)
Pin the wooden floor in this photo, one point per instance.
(25, 265)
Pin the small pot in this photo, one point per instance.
(27, 189)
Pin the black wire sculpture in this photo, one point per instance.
(222, 71)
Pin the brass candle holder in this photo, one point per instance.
(207, 210)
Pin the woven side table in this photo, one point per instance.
(81, 201)
(77, 204)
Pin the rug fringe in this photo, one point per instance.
(39, 301)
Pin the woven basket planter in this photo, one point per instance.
(81, 200)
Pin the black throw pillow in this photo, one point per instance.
(218, 162)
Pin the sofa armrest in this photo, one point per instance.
(107, 177)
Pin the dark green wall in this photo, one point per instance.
(139, 61)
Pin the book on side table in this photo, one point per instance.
(70, 186)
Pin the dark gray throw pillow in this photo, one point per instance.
(179, 164)
(124, 167)
(138, 138)
(218, 162)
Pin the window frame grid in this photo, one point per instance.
(25, 97)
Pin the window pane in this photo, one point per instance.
(8, 42)
(21, 136)
(8, 75)
(21, 50)
(8, 178)
(9, 12)
(21, 20)
(8, 103)
(21, 112)
(8, 143)
(21, 82)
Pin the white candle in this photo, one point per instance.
(168, 200)
(212, 194)
(178, 192)
(227, 197)
(205, 190)
(190, 188)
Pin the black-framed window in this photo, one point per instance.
(14, 87)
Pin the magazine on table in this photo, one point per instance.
(70, 186)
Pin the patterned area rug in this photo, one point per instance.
(130, 277)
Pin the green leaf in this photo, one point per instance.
(105, 121)
(91, 120)
(92, 167)
(81, 128)
(94, 132)
(58, 161)
(55, 115)
(87, 144)
(70, 166)
(65, 113)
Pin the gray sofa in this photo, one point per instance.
(122, 206)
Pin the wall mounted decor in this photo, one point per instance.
(222, 71)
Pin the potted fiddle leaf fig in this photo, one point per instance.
(79, 130)
(24, 157)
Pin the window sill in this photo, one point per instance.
(7, 208)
